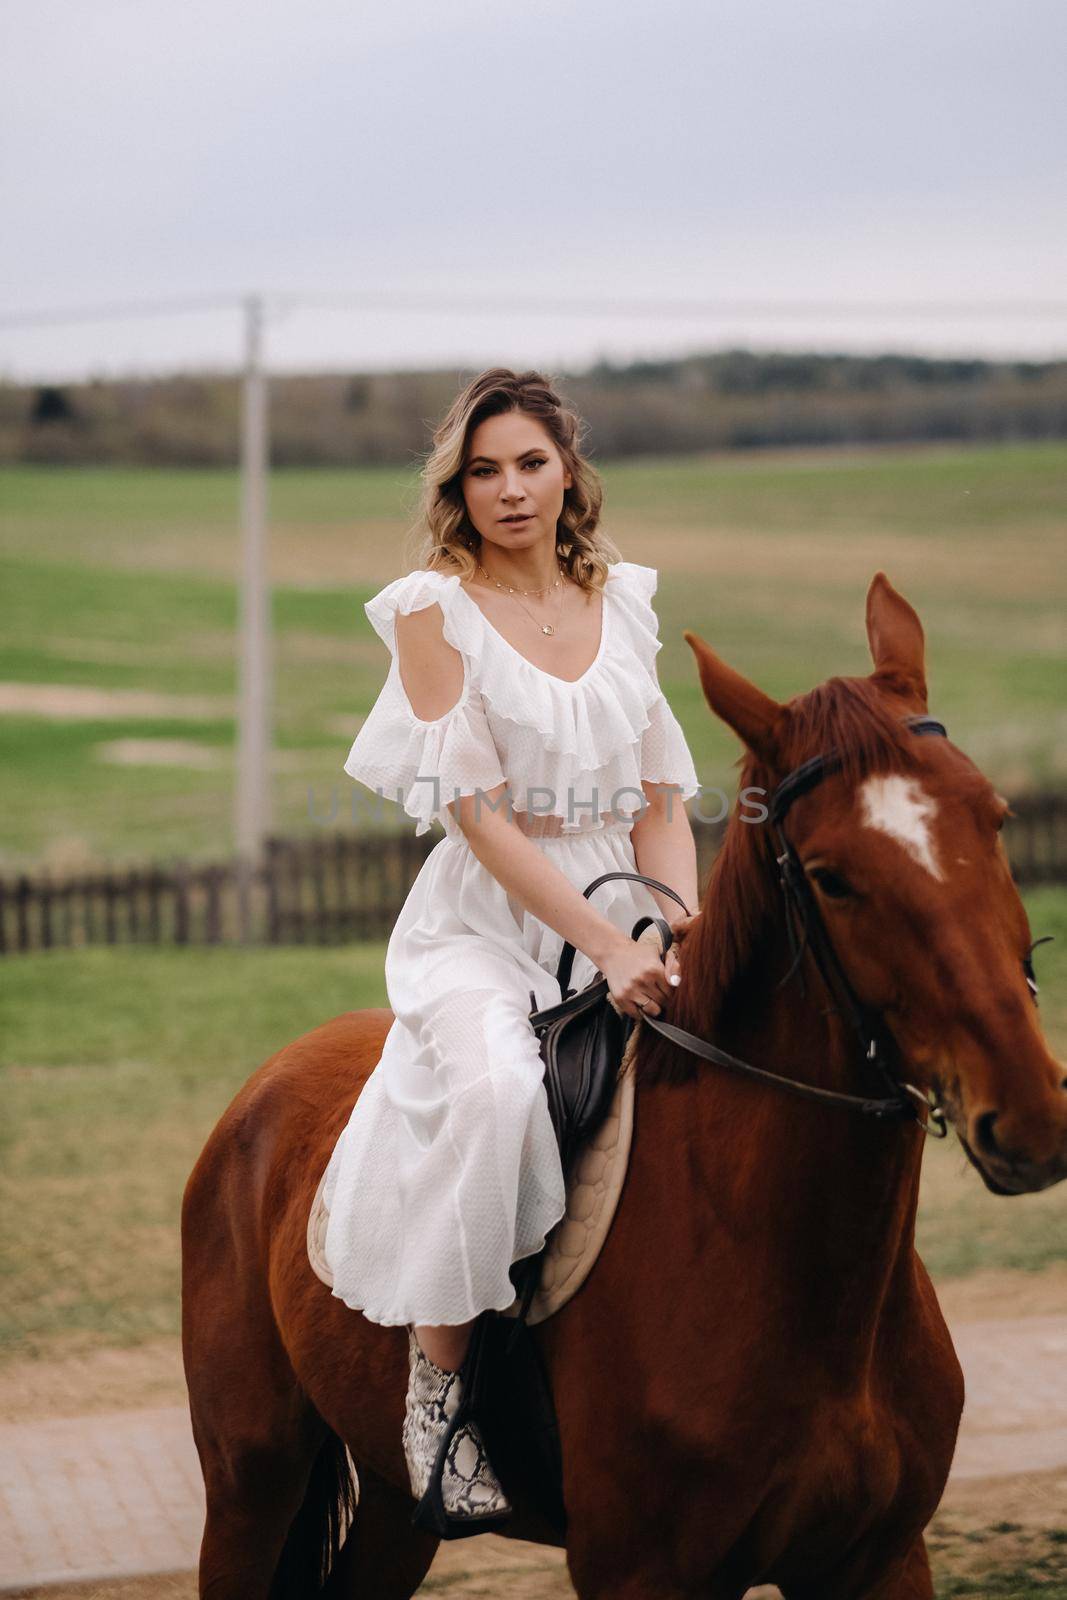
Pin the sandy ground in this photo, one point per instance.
(997, 1525)
(843, 563)
(150, 1374)
(186, 753)
(72, 700)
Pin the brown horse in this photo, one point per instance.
(756, 1384)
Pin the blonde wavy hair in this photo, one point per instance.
(445, 540)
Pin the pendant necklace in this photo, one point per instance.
(545, 627)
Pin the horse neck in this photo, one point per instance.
(819, 1199)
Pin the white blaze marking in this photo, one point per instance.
(900, 807)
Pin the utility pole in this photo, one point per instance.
(253, 797)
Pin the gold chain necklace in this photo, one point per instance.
(545, 627)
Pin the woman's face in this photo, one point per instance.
(514, 469)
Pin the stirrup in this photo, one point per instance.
(430, 1513)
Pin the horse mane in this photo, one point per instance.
(741, 908)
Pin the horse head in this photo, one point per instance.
(898, 852)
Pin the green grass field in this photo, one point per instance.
(116, 1064)
(117, 656)
(117, 681)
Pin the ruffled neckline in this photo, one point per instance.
(564, 683)
(590, 719)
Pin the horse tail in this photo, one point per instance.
(315, 1533)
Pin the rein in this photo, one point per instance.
(802, 910)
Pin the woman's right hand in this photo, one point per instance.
(635, 973)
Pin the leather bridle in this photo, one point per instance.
(807, 931)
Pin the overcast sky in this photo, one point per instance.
(837, 151)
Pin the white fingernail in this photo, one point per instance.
(675, 979)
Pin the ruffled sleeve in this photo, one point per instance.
(423, 765)
(665, 756)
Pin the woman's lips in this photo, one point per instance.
(515, 520)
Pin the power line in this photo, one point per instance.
(110, 311)
(434, 302)
(613, 307)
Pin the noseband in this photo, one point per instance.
(807, 931)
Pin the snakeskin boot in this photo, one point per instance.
(468, 1496)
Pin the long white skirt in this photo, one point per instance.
(448, 1169)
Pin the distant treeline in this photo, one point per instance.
(731, 399)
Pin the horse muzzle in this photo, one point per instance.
(1009, 1161)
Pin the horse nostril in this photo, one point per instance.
(984, 1136)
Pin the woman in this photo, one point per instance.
(522, 710)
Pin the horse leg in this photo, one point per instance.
(264, 1450)
(647, 1571)
(383, 1556)
(911, 1580)
(907, 1579)
(653, 1586)
(254, 1492)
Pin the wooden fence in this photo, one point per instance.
(334, 888)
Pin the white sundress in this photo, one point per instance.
(448, 1170)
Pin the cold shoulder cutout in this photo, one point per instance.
(431, 670)
(422, 763)
(577, 750)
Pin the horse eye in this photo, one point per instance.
(832, 884)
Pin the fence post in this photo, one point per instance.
(270, 872)
(213, 917)
(181, 903)
(23, 891)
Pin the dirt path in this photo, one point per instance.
(113, 1493)
(79, 1383)
(1008, 1527)
(69, 701)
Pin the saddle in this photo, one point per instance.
(584, 1041)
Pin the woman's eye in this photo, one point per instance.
(476, 472)
(833, 886)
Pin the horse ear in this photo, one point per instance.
(895, 636)
(753, 715)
